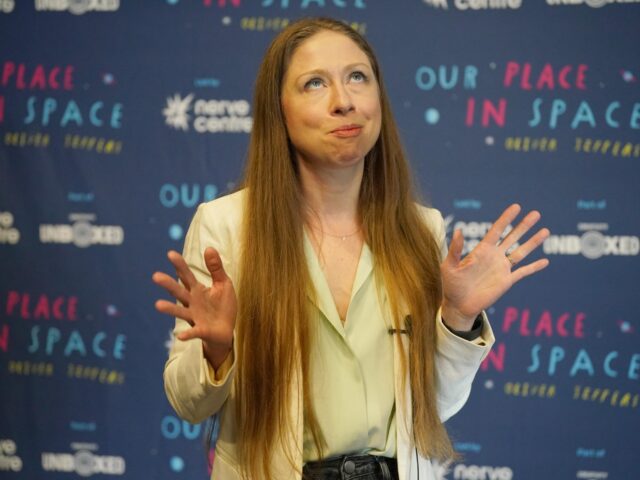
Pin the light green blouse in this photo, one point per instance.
(351, 367)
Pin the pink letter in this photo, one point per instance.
(510, 316)
(13, 298)
(496, 357)
(578, 329)
(8, 69)
(562, 331)
(582, 70)
(511, 71)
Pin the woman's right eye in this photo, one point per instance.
(313, 84)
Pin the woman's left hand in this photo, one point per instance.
(477, 281)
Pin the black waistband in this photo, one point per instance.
(348, 464)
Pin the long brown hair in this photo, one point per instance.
(273, 331)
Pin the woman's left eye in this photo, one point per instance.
(358, 77)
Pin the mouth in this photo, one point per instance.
(347, 130)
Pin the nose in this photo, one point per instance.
(342, 102)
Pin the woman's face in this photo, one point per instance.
(331, 102)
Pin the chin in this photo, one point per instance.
(350, 160)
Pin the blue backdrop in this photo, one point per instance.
(118, 118)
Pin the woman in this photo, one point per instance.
(318, 314)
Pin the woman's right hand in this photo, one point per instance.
(211, 311)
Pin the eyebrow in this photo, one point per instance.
(323, 71)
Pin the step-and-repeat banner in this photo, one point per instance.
(117, 118)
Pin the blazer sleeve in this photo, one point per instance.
(192, 387)
(457, 360)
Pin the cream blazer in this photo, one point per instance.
(196, 393)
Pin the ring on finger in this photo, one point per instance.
(511, 260)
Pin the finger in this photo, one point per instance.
(214, 265)
(170, 285)
(182, 269)
(523, 227)
(170, 308)
(530, 245)
(189, 334)
(455, 248)
(499, 226)
(529, 269)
